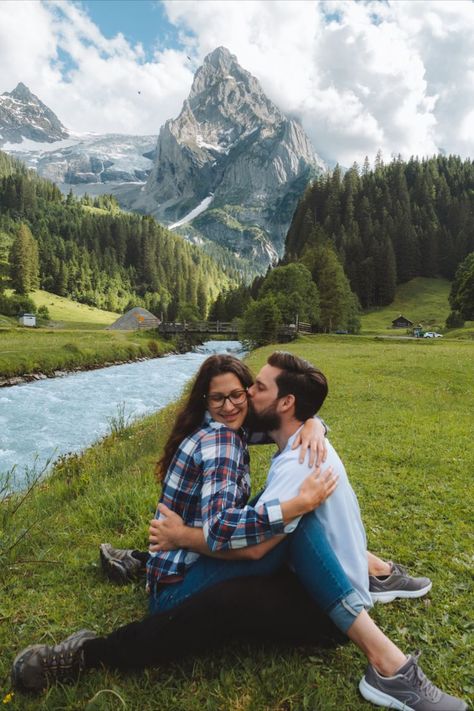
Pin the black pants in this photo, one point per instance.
(273, 609)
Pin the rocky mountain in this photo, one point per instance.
(23, 115)
(91, 163)
(231, 167)
(227, 173)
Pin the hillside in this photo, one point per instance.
(421, 300)
(388, 225)
(105, 257)
(65, 313)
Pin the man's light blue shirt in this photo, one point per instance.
(339, 514)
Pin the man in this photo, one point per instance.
(284, 389)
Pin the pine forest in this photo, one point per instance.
(92, 252)
(389, 224)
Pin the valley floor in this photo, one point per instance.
(401, 419)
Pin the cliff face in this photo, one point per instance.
(231, 167)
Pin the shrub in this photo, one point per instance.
(44, 313)
(16, 304)
(154, 348)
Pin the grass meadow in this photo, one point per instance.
(421, 300)
(66, 313)
(401, 417)
(25, 350)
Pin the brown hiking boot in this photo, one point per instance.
(36, 667)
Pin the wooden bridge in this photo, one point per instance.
(228, 328)
(203, 327)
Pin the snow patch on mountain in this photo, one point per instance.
(203, 205)
(27, 145)
(87, 159)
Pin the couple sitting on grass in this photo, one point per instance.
(291, 566)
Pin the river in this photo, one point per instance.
(42, 420)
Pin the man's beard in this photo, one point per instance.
(265, 421)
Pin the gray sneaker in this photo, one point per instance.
(39, 665)
(398, 584)
(408, 690)
(119, 564)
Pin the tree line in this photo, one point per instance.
(390, 223)
(315, 291)
(90, 251)
(356, 236)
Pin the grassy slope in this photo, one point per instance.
(401, 417)
(65, 313)
(421, 300)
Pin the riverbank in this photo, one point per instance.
(27, 355)
(400, 418)
(41, 421)
(32, 377)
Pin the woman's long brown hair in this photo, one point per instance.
(191, 415)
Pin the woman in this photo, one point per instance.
(207, 484)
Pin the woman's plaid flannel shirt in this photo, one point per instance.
(208, 485)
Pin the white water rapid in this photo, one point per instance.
(42, 420)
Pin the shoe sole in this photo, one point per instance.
(111, 569)
(379, 698)
(391, 595)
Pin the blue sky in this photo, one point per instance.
(143, 21)
(361, 76)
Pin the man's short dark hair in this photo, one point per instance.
(301, 379)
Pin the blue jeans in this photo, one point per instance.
(308, 552)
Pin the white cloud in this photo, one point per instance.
(105, 86)
(361, 75)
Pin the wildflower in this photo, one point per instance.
(8, 697)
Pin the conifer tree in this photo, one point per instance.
(461, 297)
(338, 305)
(24, 261)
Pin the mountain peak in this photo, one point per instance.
(221, 59)
(232, 147)
(219, 66)
(21, 92)
(23, 115)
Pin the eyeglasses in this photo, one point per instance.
(236, 397)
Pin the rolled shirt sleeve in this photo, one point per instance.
(227, 522)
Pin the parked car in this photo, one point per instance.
(432, 334)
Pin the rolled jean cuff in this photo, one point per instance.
(345, 612)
